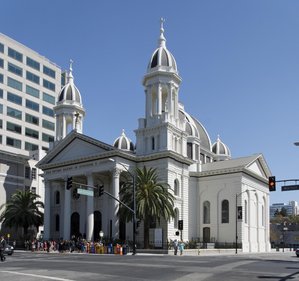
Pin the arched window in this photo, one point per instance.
(206, 212)
(225, 211)
(57, 197)
(176, 218)
(176, 188)
(246, 212)
(57, 223)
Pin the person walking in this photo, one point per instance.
(2, 248)
(181, 247)
(175, 246)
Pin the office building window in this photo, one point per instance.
(31, 133)
(32, 91)
(33, 173)
(15, 54)
(1, 63)
(31, 119)
(32, 77)
(13, 142)
(14, 113)
(1, 139)
(14, 98)
(48, 98)
(1, 48)
(30, 146)
(1, 108)
(13, 127)
(48, 71)
(48, 125)
(27, 172)
(32, 105)
(1, 78)
(49, 85)
(48, 111)
(1, 123)
(14, 84)
(47, 138)
(32, 63)
(15, 69)
(1, 93)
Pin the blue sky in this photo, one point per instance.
(239, 62)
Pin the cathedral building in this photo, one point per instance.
(218, 199)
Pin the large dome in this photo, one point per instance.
(70, 92)
(162, 59)
(195, 129)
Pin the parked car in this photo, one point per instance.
(8, 250)
(297, 252)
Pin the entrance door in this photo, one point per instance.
(75, 224)
(206, 234)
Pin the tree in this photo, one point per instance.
(22, 210)
(153, 200)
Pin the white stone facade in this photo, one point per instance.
(210, 187)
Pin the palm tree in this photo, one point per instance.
(153, 200)
(22, 210)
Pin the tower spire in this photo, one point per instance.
(162, 39)
(71, 77)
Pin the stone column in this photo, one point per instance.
(115, 205)
(89, 211)
(47, 211)
(67, 214)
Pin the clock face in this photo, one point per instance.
(76, 196)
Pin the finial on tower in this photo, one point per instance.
(162, 39)
(71, 77)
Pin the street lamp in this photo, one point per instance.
(101, 235)
(237, 214)
(134, 204)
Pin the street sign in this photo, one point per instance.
(85, 192)
(290, 187)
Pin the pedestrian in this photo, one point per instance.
(2, 248)
(181, 247)
(175, 246)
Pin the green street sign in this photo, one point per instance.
(85, 192)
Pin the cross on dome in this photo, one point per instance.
(162, 39)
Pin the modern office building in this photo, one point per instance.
(219, 199)
(29, 85)
(291, 208)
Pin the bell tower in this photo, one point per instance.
(162, 128)
(69, 109)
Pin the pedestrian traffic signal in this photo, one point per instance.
(180, 224)
(101, 190)
(272, 184)
(69, 183)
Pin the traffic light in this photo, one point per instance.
(272, 183)
(180, 224)
(69, 183)
(101, 190)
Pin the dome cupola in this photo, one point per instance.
(123, 142)
(221, 150)
(162, 59)
(69, 92)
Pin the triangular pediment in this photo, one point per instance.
(259, 167)
(75, 147)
